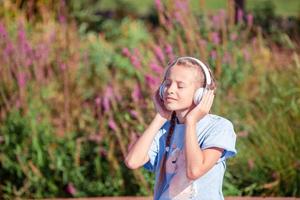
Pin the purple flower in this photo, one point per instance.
(118, 97)
(109, 91)
(168, 23)
(240, 15)
(3, 32)
(133, 113)
(136, 94)
(226, 57)
(249, 20)
(61, 16)
(98, 101)
(43, 52)
(108, 96)
(28, 61)
(151, 81)
(213, 54)
(133, 136)
(178, 17)
(233, 36)
(215, 38)
(137, 52)
(222, 13)
(169, 51)
(156, 68)
(254, 42)
(126, 52)
(71, 189)
(102, 152)
(246, 54)
(52, 36)
(21, 33)
(275, 175)
(159, 5)
(8, 49)
(242, 134)
(135, 62)
(112, 124)
(106, 103)
(18, 103)
(62, 66)
(216, 21)
(95, 138)
(251, 163)
(202, 43)
(159, 54)
(181, 5)
(23, 45)
(21, 79)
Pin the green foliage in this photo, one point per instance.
(36, 164)
(273, 137)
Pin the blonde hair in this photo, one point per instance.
(191, 63)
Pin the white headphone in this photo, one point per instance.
(200, 91)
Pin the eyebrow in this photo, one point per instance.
(167, 79)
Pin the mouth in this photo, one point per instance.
(170, 99)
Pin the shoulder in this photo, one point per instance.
(215, 123)
(220, 121)
(219, 132)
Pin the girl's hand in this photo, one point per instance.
(160, 107)
(202, 109)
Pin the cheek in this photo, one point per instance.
(187, 96)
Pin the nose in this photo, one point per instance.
(170, 88)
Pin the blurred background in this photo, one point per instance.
(76, 78)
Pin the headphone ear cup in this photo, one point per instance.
(198, 95)
(161, 91)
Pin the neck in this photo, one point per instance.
(181, 115)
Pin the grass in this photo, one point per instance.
(282, 7)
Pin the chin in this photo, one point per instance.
(170, 107)
(174, 107)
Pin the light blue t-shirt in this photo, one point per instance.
(212, 131)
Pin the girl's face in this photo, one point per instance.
(180, 87)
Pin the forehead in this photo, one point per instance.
(181, 74)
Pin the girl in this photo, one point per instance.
(185, 145)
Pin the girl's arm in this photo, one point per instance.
(198, 162)
(138, 153)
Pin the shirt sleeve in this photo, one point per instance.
(222, 136)
(154, 151)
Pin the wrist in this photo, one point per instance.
(190, 122)
(193, 120)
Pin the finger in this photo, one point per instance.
(207, 100)
(211, 99)
(210, 95)
(205, 97)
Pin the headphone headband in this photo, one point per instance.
(202, 65)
